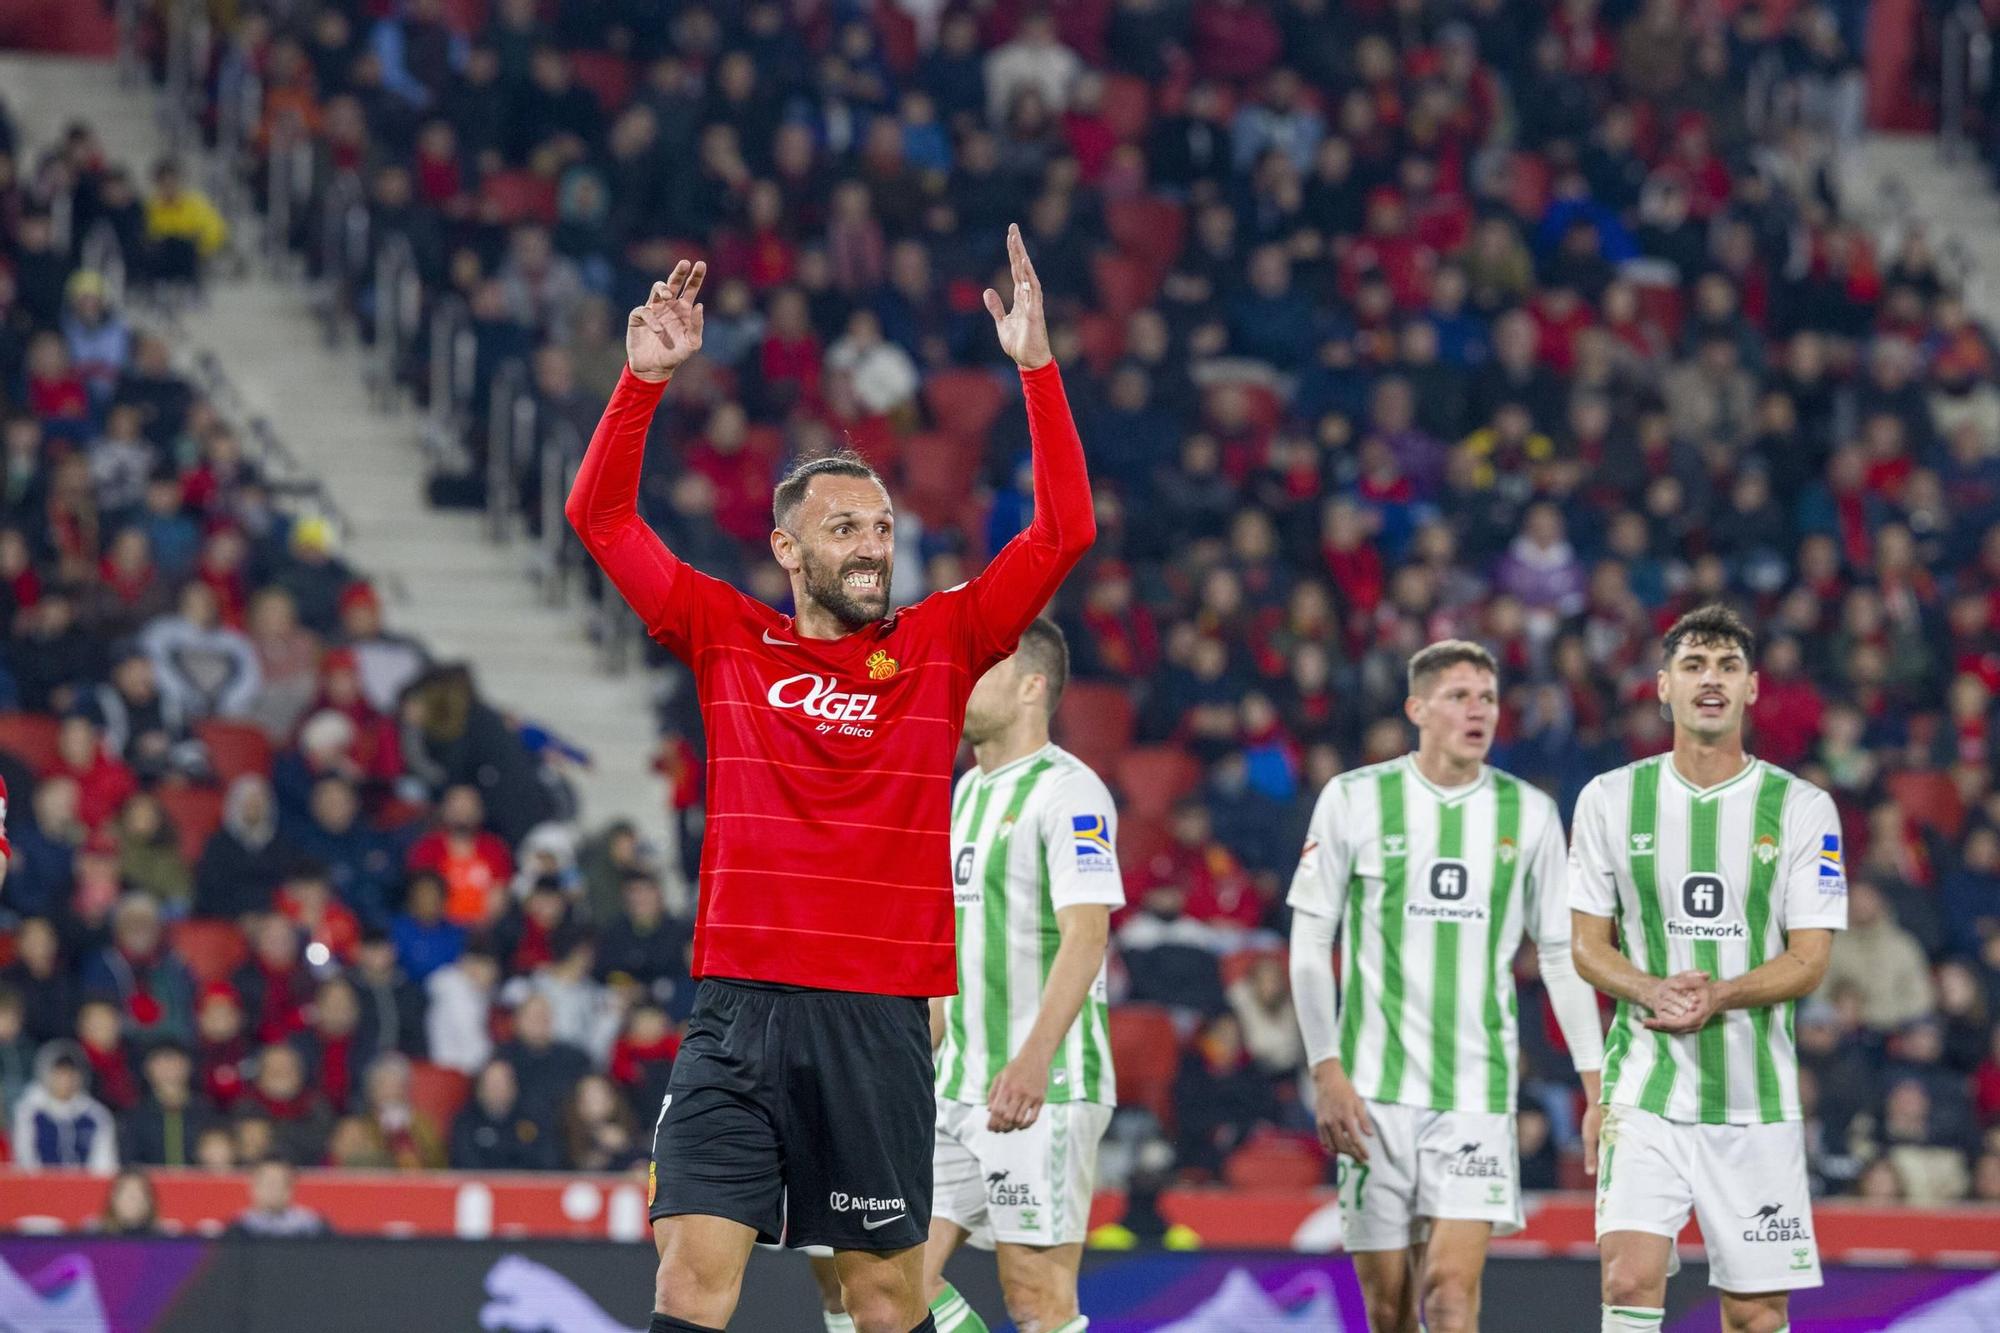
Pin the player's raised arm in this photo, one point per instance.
(604, 503)
(1018, 583)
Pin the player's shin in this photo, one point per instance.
(1632, 1319)
(953, 1315)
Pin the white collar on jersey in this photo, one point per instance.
(1750, 765)
(1013, 764)
(1449, 795)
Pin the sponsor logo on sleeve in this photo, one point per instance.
(1091, 835)
(1832, 874)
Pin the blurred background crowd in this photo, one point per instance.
(1383, 321)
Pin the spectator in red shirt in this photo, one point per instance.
(474, 864)
(1219, 890)
(111, 1077)
(307, 902)
(103, 783)
(221, 1049)
(1789, 706)
(1233, 40)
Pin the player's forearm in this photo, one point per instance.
(1313, 992)
(605, 497)
(1575, 1006)
(1072, 974)
(1065, 516)
(937, 1022)
(1599, 962)
(1792, 975)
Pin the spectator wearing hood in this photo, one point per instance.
(57, 1124)
(245, 860)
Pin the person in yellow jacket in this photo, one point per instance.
(183, 227)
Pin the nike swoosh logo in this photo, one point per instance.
(880, 1222)
(778, 643)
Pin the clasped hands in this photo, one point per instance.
(1683, 1002)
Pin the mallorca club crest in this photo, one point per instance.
(881, 666)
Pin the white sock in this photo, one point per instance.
(1076, 1325)
(1632, 1319)
(837, 1323)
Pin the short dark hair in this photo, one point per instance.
(791, 492)
(1045, 651)
(1710, 625)
(1444, 655)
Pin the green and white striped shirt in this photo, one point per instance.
(1431, 890)
(1028, 839)
(1711, 879)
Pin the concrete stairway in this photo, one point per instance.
(467, 597)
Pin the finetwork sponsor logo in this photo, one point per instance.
(842, 1202)
(1416, 909)
(1708, 930)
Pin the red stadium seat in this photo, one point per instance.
(521, 196)
(1237, 965)
(1660, 305)
(939, 471)
(1930, 799)
(898, 34)
(211, 949)
(1148, 228)
(195, 812)
(964, 402)
(1146, 1052)
(235, 748)
(1140, 837)
(1094, 722)
(1103, 340)
(438, 1093)
(1124, 284)
(8, 950)
(1127, 106)
(1274, 1161)
(607, 76)
(30, 737)
(1153, 778)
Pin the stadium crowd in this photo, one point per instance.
(1385, 322)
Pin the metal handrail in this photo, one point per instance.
(395, 271)
(1965, 69)
(562, 453)
(511, 408)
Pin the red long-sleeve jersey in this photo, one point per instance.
(826, 861)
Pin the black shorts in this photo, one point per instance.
(807, 1114)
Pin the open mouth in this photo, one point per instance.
(862, 580)
(1711, 703)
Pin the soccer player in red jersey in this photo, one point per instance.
(800, 1104)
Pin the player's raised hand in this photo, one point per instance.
(1024, 329)
(664, 332)
(1339, 1113)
